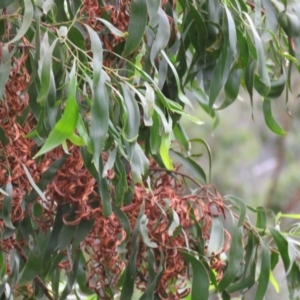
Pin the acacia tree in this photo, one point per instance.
(100, 195)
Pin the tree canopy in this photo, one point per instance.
(100, 194)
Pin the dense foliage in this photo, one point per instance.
(100, 194)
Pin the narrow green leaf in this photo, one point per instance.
(152, 281)
(5, 66)
(164, 151)
(261, 58)
(203, 142)
(261, 221)
(200, 279)
(241, 205)
(130, 271)
(235, 257)
(46, 70)
(30, 236)
(112, 28)
(137, 25)
(125, 225)
(67, 124)
(71, 277)
(30, 270)
(274, 282)
(232, 87)
(100, 102)
(263, 280)
(33, 184)
(269, 119)
(282, 245)
(249, 79)
(132, 122)
(144, 232)
(46, 178)
(103, 190)
(220, 74)
(162, 36)
(53, 238)
(216, 241)
(155, 134)
(231, 32)
(82, 231)
(7, 206)
(139, 163)
(27, 21)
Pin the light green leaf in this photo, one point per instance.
(144, 232)
(112, 28)
(216, 241)
(67, 124)
(164, 151)
(33, 184)
(162, 36)
(269, 119)
(274, 282)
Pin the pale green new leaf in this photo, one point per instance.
(65, 127)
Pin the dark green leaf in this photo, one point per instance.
(5, 3)
(130, 271)
(269, 119)
(137, 24)
(153, 278)
(71, 277)
(200, 280)
(103, 190)
(263, 279)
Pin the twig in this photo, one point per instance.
(158, 169)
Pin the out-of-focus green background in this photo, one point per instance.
(251, 162)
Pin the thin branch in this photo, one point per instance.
(158, 169)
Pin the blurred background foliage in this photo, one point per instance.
(248, 159)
